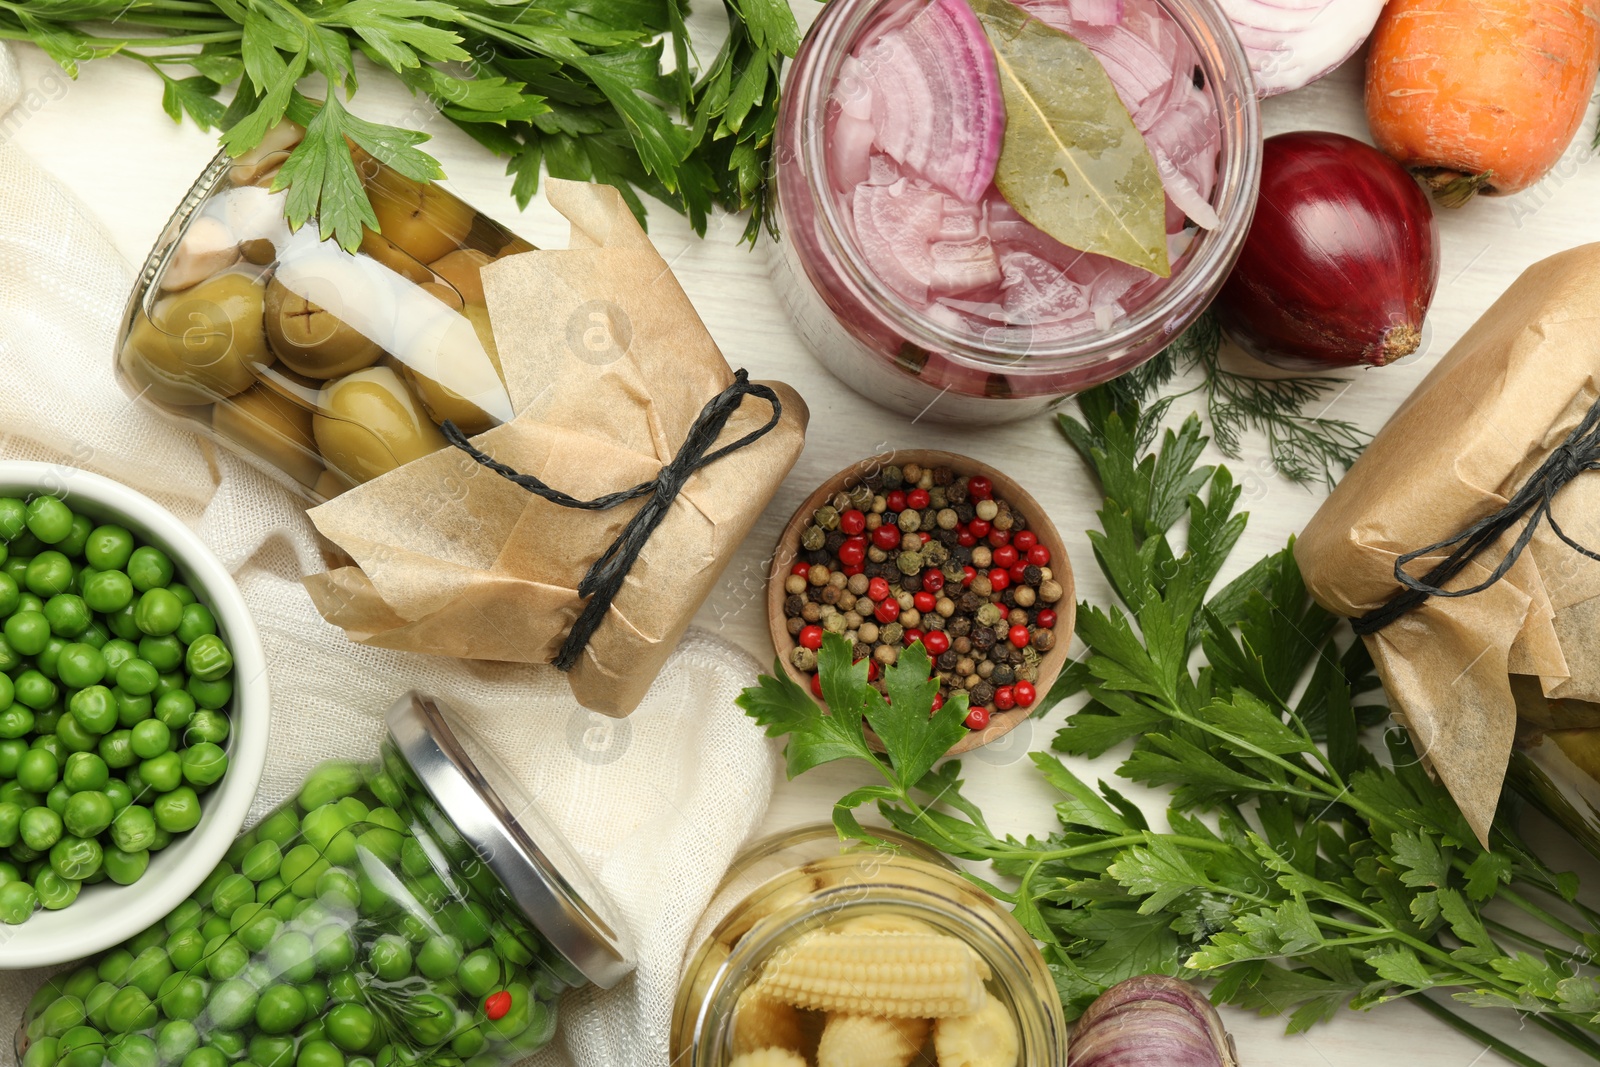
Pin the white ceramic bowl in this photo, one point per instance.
(107, 913)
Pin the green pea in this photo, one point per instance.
(61, 1015)
(176, 1039)
(40, 828)
(163, 773)
(339, 887)
(289, 957)
(232, 1004)
(182, 995)
(116, 748)
(301, 868)
(35, 690)
(229, 1042)
(280, 827)
(204, 764)
(38, 770)
(68, 615)
(163, 653)
(27, 632)
(316, 994)
(48, 519)
(88, 812)
(231, 893)
(343, 988)
(10, 823)
(172, 681)
(94, 1005)
(86, 1035)
(283, 904)
(48, 573)
(241, 845)
(107, 591)
(132, 708)
(330, 782)
(269, 1050)
(16, 721)
(280, 1008)
(390, 957)
(76, 858)
(439, 957)
(352, 1026)
(133, 829)
(137, 677)
(430, 1018)
(208, 658)
(73, 737)
(150, 937)
(207, 725)
(119, 794)
(150, 739)
(254, 925)
(10, 658)
(55, 892)
(150, 969)
(470, 921)
(11, 753)
(211, 695)
(469, 1039)
(480, 972)
(381, 843)
(108, 547)
(134, 1050)
(44, 1052)
(332, 948)
(130, 1010)
(261, 861)
(117, 652)
(175, 708)
(196, 623)
(205, 1056)
(12, 792)
(149, 567)
(511, 948)
(157, 612)
(94, 709)
(121, 624)
(9, 873)
(85, 771)
(319, 1054)
(10, 595)
(186, 948)
(96, 635)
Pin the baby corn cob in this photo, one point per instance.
(905, 976)
(769, 1057)
(986, 1038)
(760, 1022)
(867, 1041)
(880, 923)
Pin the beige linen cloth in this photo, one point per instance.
(657, 803)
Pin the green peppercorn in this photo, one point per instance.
(813, 538)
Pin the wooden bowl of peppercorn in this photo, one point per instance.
(991, 580)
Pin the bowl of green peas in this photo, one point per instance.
(133, 712)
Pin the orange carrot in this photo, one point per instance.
(1481, 95)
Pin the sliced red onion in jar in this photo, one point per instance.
(1292, 43)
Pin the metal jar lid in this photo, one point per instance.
(538, 868)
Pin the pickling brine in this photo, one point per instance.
(908, 271)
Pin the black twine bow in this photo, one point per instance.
(1578, 453)
(605, 576)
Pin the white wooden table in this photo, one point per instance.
(106, 138)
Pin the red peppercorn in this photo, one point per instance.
(924, 536)
(816, 686)
(852, 522)
(495, 1005)
(877, 589)
(872, 670)
(802, 569)
(999, 579)
(1046, 619)
(979, 527)
(811, 637)
(980, 488)
(999, 538)
(853, 552)
(912, 637)
(924, 601)
(977, 718)
(1019, 636)
(938, 701)
(966, 539)
(967, 574)
(896, 501)
(1018, 572)
(852, 571)
(888, 610)
(1025, 540)
(937, 642)
(886, 536)
(1005, 556)
(917, 498)
(1005, 698)
(1039, 556)
(1025, 694)
(933, 580)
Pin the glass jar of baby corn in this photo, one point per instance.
(817, 954)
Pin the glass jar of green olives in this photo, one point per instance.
(414, 909)
(325, 367)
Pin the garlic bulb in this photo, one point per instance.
(1148, 1020)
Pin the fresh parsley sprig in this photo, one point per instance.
(1299, 870)
(587, 91)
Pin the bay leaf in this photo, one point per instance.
(1072, 162)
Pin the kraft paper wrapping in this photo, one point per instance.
(607, 366)
(1463, 443)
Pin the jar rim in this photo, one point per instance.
(540, 871)
(1006, 348)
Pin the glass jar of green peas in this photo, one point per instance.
(414, 909)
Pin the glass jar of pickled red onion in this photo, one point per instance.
(941, 301)
(817, 951)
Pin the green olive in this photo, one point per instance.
(388, 253)
(420, 217)
(264, 423)
(198, 345)
(308, 330)
(454, 380)
(460, 268)
(368, 423)
(516, 245)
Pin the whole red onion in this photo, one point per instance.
(1341, 259)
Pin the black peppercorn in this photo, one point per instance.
(793, 605)
(943, 476)
(874, 570)
(983, 638)
(911, 583)
(1009, 598)
(969, 603)
(818, 556)
(860, 652)
(835, 540)
(1003, 675)
(982, 693)
(948, 538)
(948, 659)
(962, 555)
(965, 511)
(958, 626)
(932, 620)
(1032, 575)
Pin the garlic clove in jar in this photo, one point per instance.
(258, 165)
(368, 423)
(208, 247)
(267, 425)
(455, 378)
(198, 345)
